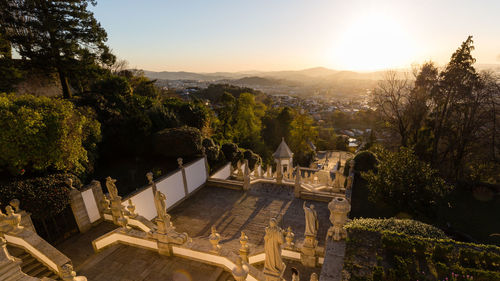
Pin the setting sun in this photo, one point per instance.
(371, 43)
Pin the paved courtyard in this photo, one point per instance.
(233, 211)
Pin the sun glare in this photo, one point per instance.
(373, 43)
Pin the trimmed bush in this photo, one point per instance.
(41, 196)
(405, 226)
(177, 142)
(365, 161)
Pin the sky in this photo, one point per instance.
(268, 35)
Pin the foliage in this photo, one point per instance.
(41, 196)
(177, 142)
(56, 35)
(253, 158)
(401, 256)
(365, 161)
(247, 124)
(406, 183)
(406, 226)
(40, 133)
(231, 152)
(303, 133)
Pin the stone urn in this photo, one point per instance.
(339, 208)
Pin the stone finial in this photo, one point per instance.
(214, 239)
(244, 250)
(131, 209)
(179, 162)
(314, 277)
(15, 204)
(289, 238)
(339, 208)
(240, 271)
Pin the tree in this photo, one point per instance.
(40, 133)
(302, 133)
(225, 114)
(391, 98)
(60, 36)
(406, 183)
(9, 73)
(457, 116)
(247, 118)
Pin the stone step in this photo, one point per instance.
(30, 265)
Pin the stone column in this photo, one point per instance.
(98, 195)
(246, 177)
(184, 178)
(279, 172)
(339, 208)
(79, 211)
(298, 184)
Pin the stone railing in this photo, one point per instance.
(24, 238)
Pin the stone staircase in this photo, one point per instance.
(30, 265)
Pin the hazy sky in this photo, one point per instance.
(215, 35)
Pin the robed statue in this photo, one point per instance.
(161, 207)
(312, 224)
(272, 247)
(113, 191)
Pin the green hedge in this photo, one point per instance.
(41, 196)
(376, 254)
(404, 226)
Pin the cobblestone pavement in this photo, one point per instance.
(233, 211)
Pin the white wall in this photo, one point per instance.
(223, 173)
(144, 203)
(196, 175)
(173, 188)
(91, 205)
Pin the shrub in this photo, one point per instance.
(41, 133)
(365, 161)
(253, 158)
(177, 142)
(406, 226)
(41, 196)
(231, 152)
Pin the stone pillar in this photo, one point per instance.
(339, 208)
(205, 159)
(298, 184)
(246, 177)
(98, 195)
(240, 271)
(184, 178)
(239, 172)
(308, 255)
(279, 172)
(79, 211)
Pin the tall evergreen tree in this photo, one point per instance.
(58, 36)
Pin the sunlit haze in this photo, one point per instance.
(210, 36)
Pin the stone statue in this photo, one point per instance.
(295, 274)
(113, 191)
(314, 277)
(273, 240)
(179, 162)
(240, 271)
(312, 224)
(161, 208)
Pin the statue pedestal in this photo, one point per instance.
(308, 256)
(164, 245)
(116, 209)
(274, 276)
